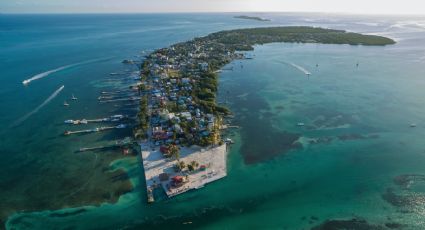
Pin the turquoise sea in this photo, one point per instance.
(357, 163)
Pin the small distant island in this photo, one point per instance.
(252, 18)
(180, 120)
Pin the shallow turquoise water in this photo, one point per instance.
(359, 116)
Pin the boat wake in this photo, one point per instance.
(306, 72)
(22, 119)
(47, 73)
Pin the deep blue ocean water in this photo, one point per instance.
(359, 158)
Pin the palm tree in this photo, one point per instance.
(174, 151)
(182, 165)
(194, 164)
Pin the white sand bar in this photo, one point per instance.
(214, 158)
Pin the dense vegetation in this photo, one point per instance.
(244, 39)
(143, 117)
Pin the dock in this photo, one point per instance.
(229, 127)
(113, 118)
(118, 143)
(93, 148)
(121, 126)
(120, 99)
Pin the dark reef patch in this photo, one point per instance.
(280, 108)
(355, 136)
(406, 180)
(353, 224)
(261, 140)
(405, 196)
(70, 213)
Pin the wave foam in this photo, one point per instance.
(22, 119)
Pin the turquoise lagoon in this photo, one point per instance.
(356, 155)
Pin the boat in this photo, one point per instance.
(412, 125)
(69, 121)
(300, 124)
(128, 61)
(118, 116)
(74, 98)
(229, 141)
(25, 82)
(121, 126)
(65, 103)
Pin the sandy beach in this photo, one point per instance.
(213, 158)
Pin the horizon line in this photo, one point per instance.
(213, 12)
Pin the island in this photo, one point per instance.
(252, 18)
(180, 121)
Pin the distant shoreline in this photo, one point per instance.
(252, 18)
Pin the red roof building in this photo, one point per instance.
(164, 149)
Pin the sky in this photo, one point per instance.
(416, 7)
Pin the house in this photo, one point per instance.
(185, 80)
(177, 128)
(203, 66)
(157, 129)
(186, 115)
(163, 177)
(178, 181)
(164, 150)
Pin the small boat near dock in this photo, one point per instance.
(229, 141)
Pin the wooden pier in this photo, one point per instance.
(95, 130)
(229, 127)
(88, 130)
(119, 143)
(121, 99)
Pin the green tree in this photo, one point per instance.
(193, 165)
(174, 151)
(181, 165)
